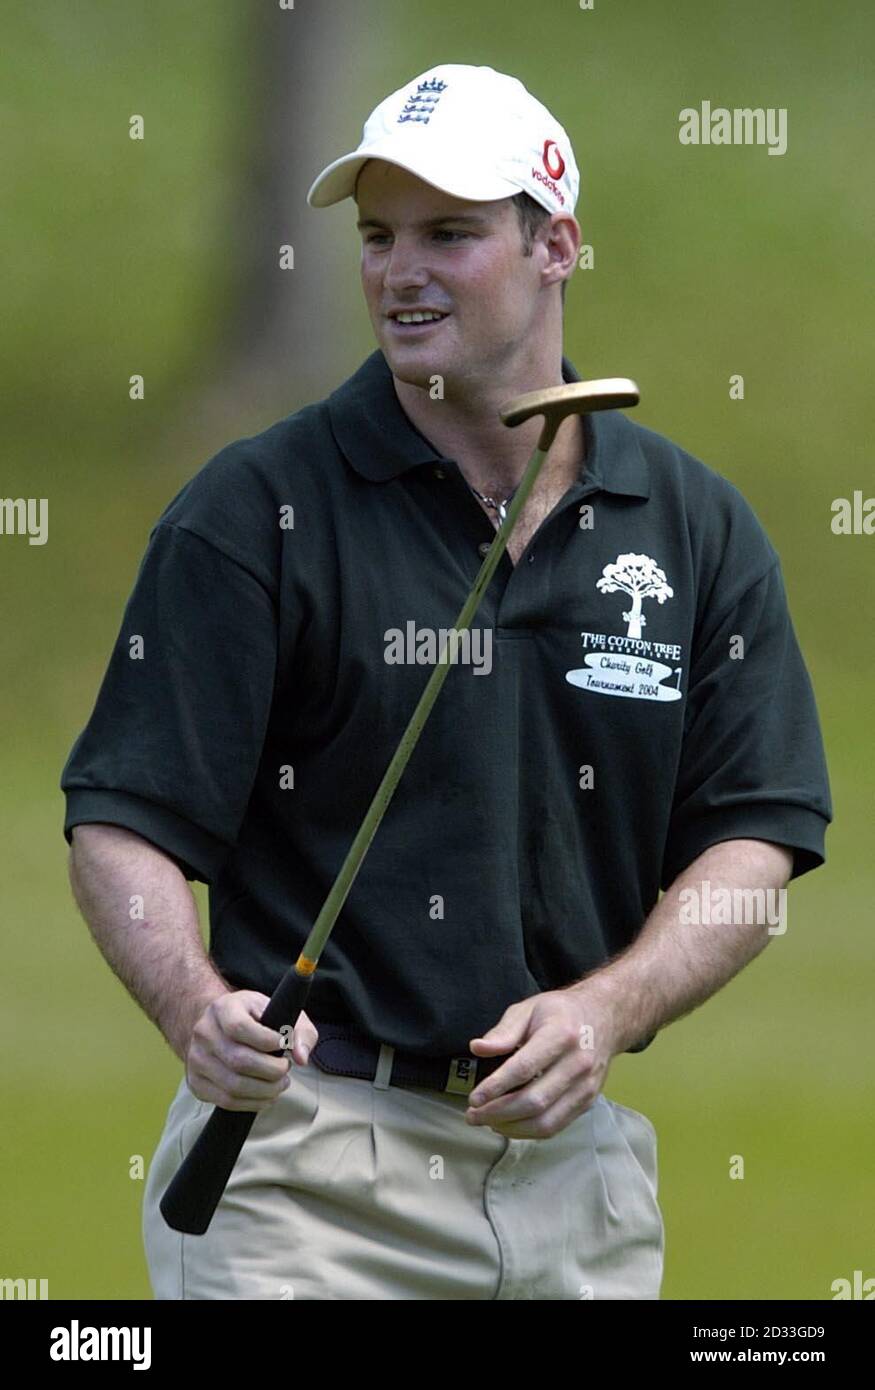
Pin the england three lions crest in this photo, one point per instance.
(630, 665)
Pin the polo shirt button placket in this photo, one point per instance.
(484, 546)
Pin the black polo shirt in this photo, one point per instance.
(616, 734)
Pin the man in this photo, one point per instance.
(636, 716)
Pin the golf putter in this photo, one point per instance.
(196, 1189)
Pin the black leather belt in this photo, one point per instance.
(347, 1051)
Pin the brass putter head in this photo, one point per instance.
(575, 398)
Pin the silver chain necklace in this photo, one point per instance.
(500, 507)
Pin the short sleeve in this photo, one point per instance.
(752, 763)
(174, 742)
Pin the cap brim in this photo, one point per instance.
(337, 181)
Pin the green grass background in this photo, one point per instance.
(708, 262)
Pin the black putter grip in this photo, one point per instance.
(196, 1190)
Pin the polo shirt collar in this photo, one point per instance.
(381, 442)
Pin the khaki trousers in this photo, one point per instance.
(355, 1189)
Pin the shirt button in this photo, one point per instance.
(484, 548)
(439, 473)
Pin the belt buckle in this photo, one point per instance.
(462, 1075)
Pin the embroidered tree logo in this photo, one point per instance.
(640, 578)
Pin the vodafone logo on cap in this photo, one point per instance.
(556, 168)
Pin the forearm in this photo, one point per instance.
(676, 964)
(159, 956)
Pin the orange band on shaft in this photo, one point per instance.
(304, 966)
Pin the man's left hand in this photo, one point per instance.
(564, 1045)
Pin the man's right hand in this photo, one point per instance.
(228, 1062)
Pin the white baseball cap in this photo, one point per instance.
(473, 132)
